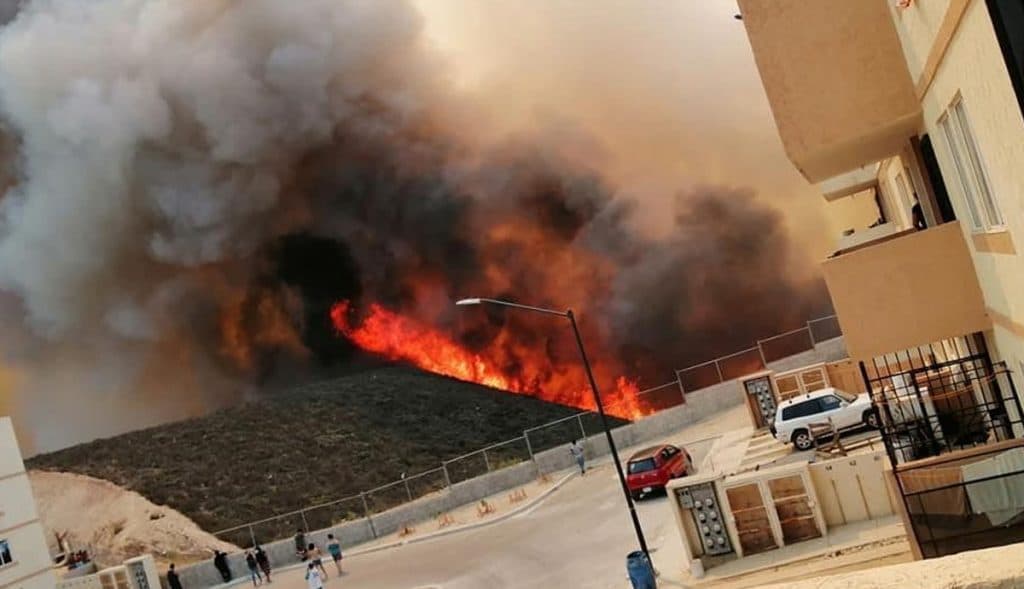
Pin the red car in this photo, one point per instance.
(652, 468)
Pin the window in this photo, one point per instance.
(829, 403)
(970, 169)
(5, 553)
(642, 466)
(801, 410)
(849, 398)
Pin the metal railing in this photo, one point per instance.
(517, 450)
(758, 357)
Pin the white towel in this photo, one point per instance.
(1000, 499)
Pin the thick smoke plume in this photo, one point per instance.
(198, 181)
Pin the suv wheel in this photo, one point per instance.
(802, 440)
(871, 419)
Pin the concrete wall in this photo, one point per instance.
(699, 405)
(957, 39)
(992, 568)
(889, 296)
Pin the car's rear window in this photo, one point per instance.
(642, 466)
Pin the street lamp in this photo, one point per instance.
(597, 400)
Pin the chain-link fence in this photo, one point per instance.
(533, 441)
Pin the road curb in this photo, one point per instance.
(467, 527)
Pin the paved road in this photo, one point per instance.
(577, 538)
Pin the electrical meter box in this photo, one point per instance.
(761, 398)
(701, 520)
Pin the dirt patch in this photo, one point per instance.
(114, 524)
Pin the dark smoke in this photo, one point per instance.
(201, 180)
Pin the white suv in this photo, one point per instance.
(793, 416)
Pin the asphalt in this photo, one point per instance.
(577, 538)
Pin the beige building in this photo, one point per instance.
(24, 556)
(884, 104)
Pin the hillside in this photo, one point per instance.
(316, 443)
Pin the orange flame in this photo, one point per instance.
(396, 337)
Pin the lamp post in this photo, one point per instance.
(597, 400)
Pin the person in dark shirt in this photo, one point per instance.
(172, 578)
(263, 561)
(300, 544)
(220, 561)
(254, 571)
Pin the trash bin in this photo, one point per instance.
(641, 573)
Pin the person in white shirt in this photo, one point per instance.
(313, 578)
(577, 452)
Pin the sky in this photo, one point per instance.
(663, 95)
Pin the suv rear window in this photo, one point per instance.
(801, 410)
(642, 466)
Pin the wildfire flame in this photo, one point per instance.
(396, 337)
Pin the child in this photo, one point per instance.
(317, 559)
(334, 547)
(313, 578)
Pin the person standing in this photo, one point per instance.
(316, 558)
(300, 545)
(313, 578)
(220, 562)
(254, 571)
(173, 582)
(576, 449)
(264, 562)
(334, 547)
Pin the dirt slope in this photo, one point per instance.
(317, 443)
(115, 524)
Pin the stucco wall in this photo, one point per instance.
(835, 77)
(973, 67)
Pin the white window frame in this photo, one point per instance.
(971, 172)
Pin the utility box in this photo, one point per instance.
(142, 572)
(701, 521)
(761, 398)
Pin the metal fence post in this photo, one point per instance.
(366, 513)
(810, 332)
(760, 350)
(718, 368)
(529, 448)
(305, 524)
(447, 479)
(252, 536)
(486, 461)
(407, 491)
(579, 420)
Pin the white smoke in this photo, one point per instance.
(157, 141)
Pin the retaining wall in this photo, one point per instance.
(699, 405)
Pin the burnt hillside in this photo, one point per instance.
(317, 443)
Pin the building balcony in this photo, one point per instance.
(905, 289)
(836, 79)
(852, 182)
